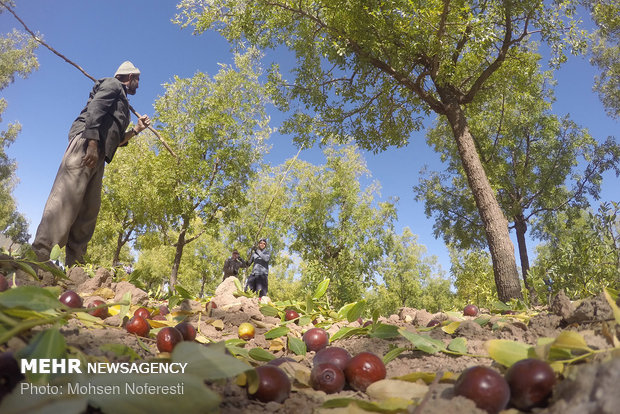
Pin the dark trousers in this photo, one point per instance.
(257, 283)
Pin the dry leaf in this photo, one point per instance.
(104, 292)
(276, 345)
(218, 323)
(389, 388)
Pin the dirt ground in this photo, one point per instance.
(590, 387)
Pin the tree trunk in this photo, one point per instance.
(495, 224)
(178, 255)
(202, 285)
(117, 252)
(521, 229)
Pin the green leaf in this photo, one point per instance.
(235, 342)
(174, 300)
(483, 320)
(120, 350)
(393, 354)
(296, 345)
(16, 403)
(423, 342)
(29, 297)
(507, 352)
(451, 327)
(190, 394)
(346, 332)
(344, 311)
(305, 320)
(55, 253)
(268, 310)
(238, 285)
(612, 302)
(309, 304)
(384, 331)
(375, 316)
(277, 332)
(183, 292)
(208, 362)
(125, 308)
(259, 354)
(28, 269)
(321, 289)
(49, 267)
(356, 311)
(458, 345)
(47, 344)
(571, 340)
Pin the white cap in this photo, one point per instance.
(127, 68)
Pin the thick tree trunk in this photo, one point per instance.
(494, 221)
(521, 229)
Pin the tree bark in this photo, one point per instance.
(117, 252)
(494, 221)
(521, 229)
(180, 244)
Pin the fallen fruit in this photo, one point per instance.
(71, 299)
(432, 322)
(158, 317)
(367, 323)
(290, 315)
(168, 338)
(531, 382)
(143, 312)
(327, 378)
(210, 305)
(187, 330)
(101, 312)
(139, 326)
(10, 374)
(315, 339)
(364, 369)
(273, 384)
(485, 387)
(246, 331)
(470, 310)
(340, 357)
(163, 310)
(4, 285)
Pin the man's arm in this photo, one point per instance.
(143, 123)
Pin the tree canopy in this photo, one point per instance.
(17, 58)
(373, 70)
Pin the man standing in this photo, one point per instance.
(257, 281)
(71, 210)
(233, 264)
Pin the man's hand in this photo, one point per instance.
(92, 155)
(143, 123)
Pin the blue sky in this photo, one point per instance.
(99, 35)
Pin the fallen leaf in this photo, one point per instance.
(391, 388)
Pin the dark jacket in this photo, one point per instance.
(231, 266)
(105, 117)
(260, 258)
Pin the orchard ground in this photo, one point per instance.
(586, 385)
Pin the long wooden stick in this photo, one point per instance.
(260, 228)
(54, 51)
